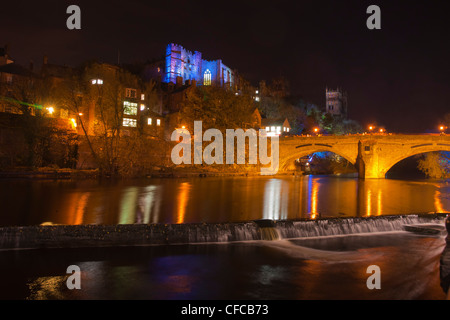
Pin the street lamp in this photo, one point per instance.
(316, 130)
(442, 129)
(50, 110)
(371, 128)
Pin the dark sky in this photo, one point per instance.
(398, 76)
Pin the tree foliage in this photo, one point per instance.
(435, 165)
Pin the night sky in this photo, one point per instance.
(397, 76)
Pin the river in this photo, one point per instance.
(214, 199)
(331, 267)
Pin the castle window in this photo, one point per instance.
(207, 78)
(158, 122)
(149, 121)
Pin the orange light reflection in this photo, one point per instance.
(183, 197)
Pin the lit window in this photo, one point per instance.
(158, 122)
(149, 121)
(272, 129)
(284, 129)
(142, 107)
(279, 129)
(94, 81)
(267, 129)
(207, 78)
(287, 129)
(142, 96)
(130, 108)
(127, 122)
(130, 93)
(97, 81)
(257, 99)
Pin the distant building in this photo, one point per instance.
(15, 80)
(4, 56)
(276, 127)
(188, 65)
(336, 102)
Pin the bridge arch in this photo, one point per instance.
(416, 150)
(287, 160)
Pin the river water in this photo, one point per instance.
(220, 199)
(329, 267)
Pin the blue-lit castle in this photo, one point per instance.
(190, 66)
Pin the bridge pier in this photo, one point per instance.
(367, 162)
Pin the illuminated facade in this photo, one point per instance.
(191, 67)
(336, 102)
(275, 127)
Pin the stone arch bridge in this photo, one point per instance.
(372, 155)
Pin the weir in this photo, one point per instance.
(71, 236)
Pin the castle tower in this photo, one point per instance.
(336, 102)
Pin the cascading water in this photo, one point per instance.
(157, 234)
(346, 226)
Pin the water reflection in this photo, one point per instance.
(276, 200)
(216, 199)
(183, 197)
(149, 203)
(313, 197)
(128, 205)
(76, 207)
(438, 202)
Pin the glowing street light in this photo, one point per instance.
(381, 130)
(442, 129)
(371, 128)
(50, 110)
(316, 130)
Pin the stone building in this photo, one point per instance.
(189, 65)
(336, 102)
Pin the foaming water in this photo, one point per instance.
(297, 251)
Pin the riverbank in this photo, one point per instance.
(69, 236)
(66, 174)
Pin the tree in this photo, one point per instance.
(216, 108)
(435, 165)
(46, 143)
(99, 109)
